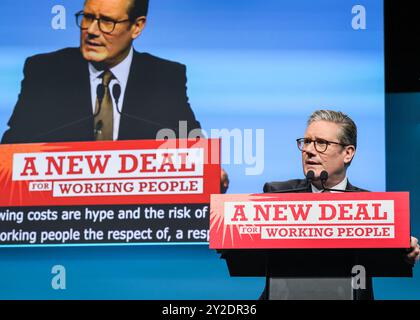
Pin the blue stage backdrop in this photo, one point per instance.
(260, 67)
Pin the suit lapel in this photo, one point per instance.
(82, 86)
(350, 187)
(135, 96)
(303, 184)
(82, 100)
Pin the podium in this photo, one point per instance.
(317, 268)
(315, 274)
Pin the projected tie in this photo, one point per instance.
(104, 111)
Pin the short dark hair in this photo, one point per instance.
(348, 132)
(138, 8)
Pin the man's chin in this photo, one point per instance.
(94, 57)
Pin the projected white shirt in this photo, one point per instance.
(120, 72)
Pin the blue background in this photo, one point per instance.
(251, 65)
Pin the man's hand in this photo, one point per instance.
(413, 254)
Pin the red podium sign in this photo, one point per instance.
(307, 220)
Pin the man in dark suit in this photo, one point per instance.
(329, 145)
(103, 90)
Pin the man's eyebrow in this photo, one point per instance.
(100, 16)
(316, 138)
(107, 17)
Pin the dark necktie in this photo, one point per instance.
(104, 122)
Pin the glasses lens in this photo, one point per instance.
(321, 145)
(300, 144)
(106, 26)
(79, 18)
(84, 21)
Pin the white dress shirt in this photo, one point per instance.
(120, 72)
(341, 186)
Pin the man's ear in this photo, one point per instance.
(138, 27)
(350, 151)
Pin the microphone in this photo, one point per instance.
(323, 177)
(116, 92)
(100, 94)
(310, 175)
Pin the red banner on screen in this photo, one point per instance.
(306, 220)
(120, 172)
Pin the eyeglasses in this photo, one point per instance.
(106, 25)
(321, 145)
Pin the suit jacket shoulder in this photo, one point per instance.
(159, 74)
(300, 184)
(54, 63)
(56, 56)
(157, 61)
(285, 185)
(350, 187)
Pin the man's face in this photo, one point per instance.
(333, 160)
(109, 49)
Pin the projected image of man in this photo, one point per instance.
(103, 90)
